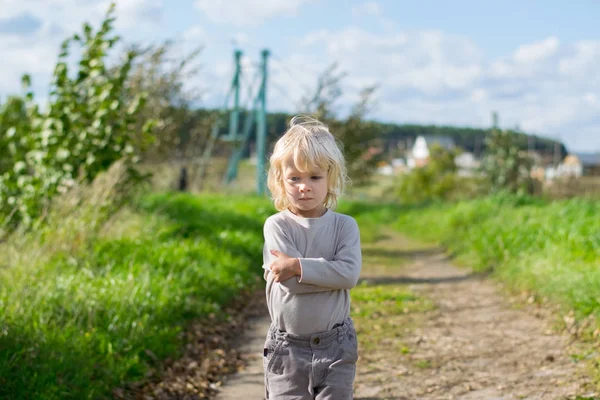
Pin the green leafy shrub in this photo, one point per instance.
(86, 127)
(438, 180)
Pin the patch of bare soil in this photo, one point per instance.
(473, 344)
(211, 353)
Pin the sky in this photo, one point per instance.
(536, 63)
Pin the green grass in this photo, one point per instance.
(378, 311)
(81, 323)
(373, 302)
(423, 364)
(92, 314)
(371, 217)
(83, 312)
(550, 248)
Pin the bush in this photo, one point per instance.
(438, 180)
(86, 128)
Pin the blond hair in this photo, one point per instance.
(310, 144)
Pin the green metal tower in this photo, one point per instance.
(233, 119)
(258, 115)
(261, 130)
(234, 116)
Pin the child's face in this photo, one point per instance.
(305, 191)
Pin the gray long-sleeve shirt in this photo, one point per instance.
(329, 251)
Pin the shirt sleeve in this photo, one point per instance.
(277, 239)
(344, 270)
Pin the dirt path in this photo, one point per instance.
(248, 382)
(472, 343)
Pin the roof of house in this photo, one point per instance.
(445, 141)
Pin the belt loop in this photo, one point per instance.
(279, 334)
(274, 332)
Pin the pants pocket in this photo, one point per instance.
(268, 350)
(351, 345)
(272, 356)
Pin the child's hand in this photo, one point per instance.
(285, 267)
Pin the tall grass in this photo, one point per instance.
(77, 321)
(550, 248)
(371, 217)
(94, 298)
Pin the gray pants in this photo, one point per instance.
(320, 366)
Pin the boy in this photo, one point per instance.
(312, 258)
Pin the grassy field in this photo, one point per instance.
(84, 313)
(81, 318)
(75, 324)
(549, 248)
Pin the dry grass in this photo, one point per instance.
(74, 219)
(166, 176)
(587, 186)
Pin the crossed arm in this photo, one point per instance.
(284, 264)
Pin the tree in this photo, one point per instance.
(505, 165)
(86, 127)
(359, 138)
(180, 132)
(13, 120)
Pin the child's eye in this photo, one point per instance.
(293, 178)
(316, 178)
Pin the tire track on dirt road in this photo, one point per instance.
(472, 343)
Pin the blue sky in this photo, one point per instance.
(435, 62)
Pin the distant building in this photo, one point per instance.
(385, 169)
(575, 165)
(399, 166)
(419, 155)
(467, 164)
(570, 167)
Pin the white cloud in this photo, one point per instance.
(37, 53)
(546, 87)
(247, 12)
(314, 37)
(425, 61)
(241, 39)
(195, 34)
(585, 138)
(373, 9)
(478, 95)
(536, 52)
(546, 115)
(34, 55)
(583, 60)
(369, 8)
(70, 14)
(131, 13)
(591, 98)
(292, 80)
